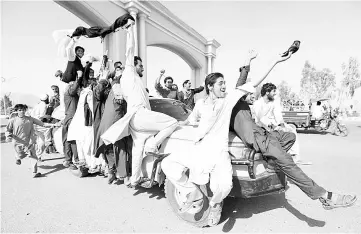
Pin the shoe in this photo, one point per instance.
(215, 214)
(66, 164)
(18, 161)
(111, 177)
(293, 49)
(341, 201)
(36, 175)
(73, 167)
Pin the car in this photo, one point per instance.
(250, 176)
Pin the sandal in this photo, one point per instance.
(293, 49)
(342, 201)
(196, 204)
(138, 183)
(215, 215)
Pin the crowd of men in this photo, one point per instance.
(108, 116)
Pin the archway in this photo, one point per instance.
(155, 26)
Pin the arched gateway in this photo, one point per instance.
(156, 26)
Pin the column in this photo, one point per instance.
(117, 50)
(209, 62)
(143, 45)
(106, 44)
(212, 66)
(133, 12)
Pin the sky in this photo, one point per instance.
(329, 33)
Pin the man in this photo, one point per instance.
(317, 111)
(39, 111)
(167, 91)
(117, 66)
(116, 154)
(187, 94)
(268, 114)
(71, 98)
(275, 145)
(54, 101)
(140, 121)
(74, 65)
(43, 134)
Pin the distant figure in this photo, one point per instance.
(167, 91)
(317, 111)
(187, 94)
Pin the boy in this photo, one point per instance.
(21, 130)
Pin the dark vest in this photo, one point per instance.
(71, 69)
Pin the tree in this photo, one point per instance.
(315, 83)
(284, 91)
(5, 104)
(351, 75)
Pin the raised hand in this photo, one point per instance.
(281, 59)
(252, 54)
(162, 71)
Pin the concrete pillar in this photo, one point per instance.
(212, 66)
(209, 64)
(117, 50)
(106, 44)
(133, 12)
(143, 45)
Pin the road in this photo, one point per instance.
(60, 202)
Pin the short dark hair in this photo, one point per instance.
(79, 47)
(168, 78)
(268, 87)
(117, 62)
(136, 59)
(55, 87)
(20, 107)
(185, 82)
(211, 79)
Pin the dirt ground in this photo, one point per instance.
(60, 202)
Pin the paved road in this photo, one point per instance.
(60, 202)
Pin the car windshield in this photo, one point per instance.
(173, 108)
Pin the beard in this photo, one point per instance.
(270, 97)
(140, 74)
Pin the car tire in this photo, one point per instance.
(199, 219)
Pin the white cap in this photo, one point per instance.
(43, 97)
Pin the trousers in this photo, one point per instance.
(70, 150)
(276, 147)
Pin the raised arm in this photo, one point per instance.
(273, 64)
(157, 81)
(70, 53)
(130, 45)
(252, 54)
(199, 89)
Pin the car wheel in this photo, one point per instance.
(199, 219)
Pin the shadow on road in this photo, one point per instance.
(51, 159)
(57, 167)
(238, 208)
(304, 131)
(155, 192)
